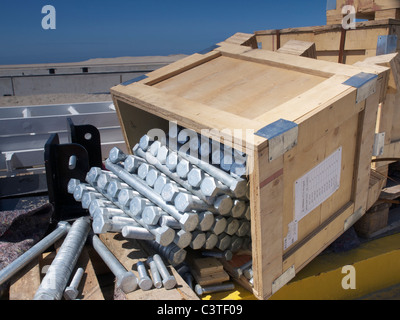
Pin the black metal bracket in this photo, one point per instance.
(66, 161)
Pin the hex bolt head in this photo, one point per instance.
(239, 208)
(164, 235)
(189, 221)
(177, 255)
(116, 155)
(114, 187)
(199, 239)
(160, 183)
(103, 181)
(239, 188)
(72, 184)
(88, 197)
(209, 187)
(219, 225)
(183, 168)
(183, 202)
(144, 142)
(243, 228)
(172, 161)
(162, 154)
(211, 241)
(151, 215)
(224, 241)
(232, 226)
(143, 170)
(152, 176)
(170, 192)
(236, 243)
(153, 150)
(206, 220)
(183, 239)
(125, 196)
(223, 204)
(80, 190)
(101, 224)
(195, 176)
(93, 174)
(238, 169)
(132, 163)
(137, 205)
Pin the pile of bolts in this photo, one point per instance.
(171, 200)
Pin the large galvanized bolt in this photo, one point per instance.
(138, 233)
(143, 170)
(152, 176)
(168, 281)
(213, 188)
(219, 225)
(160, 183)
(116, 155)
(223, 204)
(80, 190)
(72, 184)
(239, 270)
(247, 214)
(232, 226)
(125, 197)
(126, 280)
(183, 168)
(56, 279)
(100, 203)
(169, 221)
(151, 215)
(132, 163)
(239, 208)
(216, 157)
(211, 241)
(155, 274)
(92, 175)
(137, 205)
(224, 241)
(145, 142)
(171, 191)
(227, 254)
(243, 229)
(162, 154)
(185, 202)
(172, 161)
(163, 235)
(183, 239)
(248, 273)
(114, 187)
(88, 197)
(195, 176)
(71, 292)
(153, 150)
(212, 289)
(103, 181)
(145, 282)
(236, 243)
(206, 220)
(198, 240)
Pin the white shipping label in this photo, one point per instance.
(317, 185)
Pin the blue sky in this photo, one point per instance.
(105, 29)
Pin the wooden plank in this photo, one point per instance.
(299, 48)
(129, 252)
(243, 39)
(24, 286)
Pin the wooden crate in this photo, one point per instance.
(333, 43)
(294, 117)
(363, 9)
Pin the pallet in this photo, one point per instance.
(207, 91)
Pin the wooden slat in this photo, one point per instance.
(129, 252)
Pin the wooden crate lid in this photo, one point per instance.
(236, 87)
